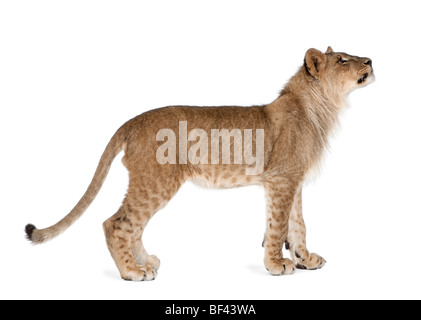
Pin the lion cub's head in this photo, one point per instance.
(339, 71)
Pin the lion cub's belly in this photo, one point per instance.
(224, 179)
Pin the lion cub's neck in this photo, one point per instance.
(306, 108)
(318, 105)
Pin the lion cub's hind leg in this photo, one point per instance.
(119, 233)
(124, 231)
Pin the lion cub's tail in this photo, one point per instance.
(111, 151)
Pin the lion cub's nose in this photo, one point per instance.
(369, 62)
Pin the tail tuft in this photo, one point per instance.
(37, 236)
(29, 229)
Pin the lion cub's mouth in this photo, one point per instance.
(363, 78)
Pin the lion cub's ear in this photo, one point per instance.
(315, 62)
(329, 50)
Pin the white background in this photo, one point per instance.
(71, 72)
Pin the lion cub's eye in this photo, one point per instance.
(342, 61)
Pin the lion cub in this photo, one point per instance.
(275, 146)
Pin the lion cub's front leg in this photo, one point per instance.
(280, 200)
(296, 241)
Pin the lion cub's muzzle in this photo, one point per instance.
(366, 71)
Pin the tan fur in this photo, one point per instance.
(296, 131)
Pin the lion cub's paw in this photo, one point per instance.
(140, 273)
(313, 262)
(153, 262)
(278, 267)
